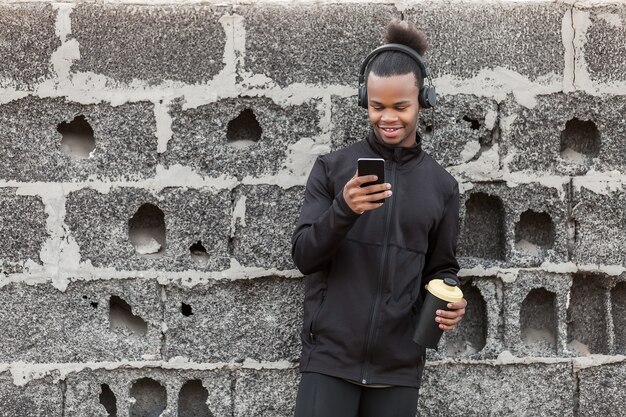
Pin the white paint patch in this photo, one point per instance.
(562, 268)
(301, 157)
(8, 94)
(612, 270)
(596, 360)
(63, 24)
(612, 19)
(496, 83)
(63, 58)
(485, 168)
(567, 36)
(163, 124)
(239, 215)
(470, 150)
(490, 119)
(604, 183)
(183, 176)
(581, 22)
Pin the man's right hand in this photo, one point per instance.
(363, 199)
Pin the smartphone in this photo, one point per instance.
(372, 166)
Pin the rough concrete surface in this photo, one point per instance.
(567, 134)
(23, 230)
(602, 390)
(28, 41)
(100, 225)
(600, 223)
(33, 149)
(84, 388)
(208, 139)
(266, 393)
(42, 324)
(525, 38)
(502, 390)
(263, 236)
(178, 43)
(42, 397)
(606, 44)
(231, 321)
(524, 225)
(312, 40)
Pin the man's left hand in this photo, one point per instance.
(449, 319)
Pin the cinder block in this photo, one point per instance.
(100, 224)
(32, 148)
(519, 37)
(450, 389)
(39, 397)
(263, 236)
(28, 40)
(22, 230)
(464, 127)
(241, 137)
(320, 44)
(600, 220)
(605, 48)
(42, 324)
(133, 395)
(266, 392)
(602, 390)
(535, 319)
(230, 321)
(566, 134)
(524, 225)
(479, 335)
(588, 322)
(180, 43)
(349, 121)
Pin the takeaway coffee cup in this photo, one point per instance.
(439, 294)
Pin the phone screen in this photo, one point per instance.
(372, 166)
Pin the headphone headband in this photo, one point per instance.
(427, 96)
(394, 47)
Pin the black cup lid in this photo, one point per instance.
(450, 281)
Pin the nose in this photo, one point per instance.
(389, 115)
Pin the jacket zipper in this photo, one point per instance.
(314, 320)
(381, 274)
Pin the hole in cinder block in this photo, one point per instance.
(199, 253)
(538, 320)
(108, 400)
(470, 336)
(580, 140)
(534, 232)
(121, 316)
(192, 400)
(483, 228)
(618, 304)
(77, 138)
(474, 123)
(586, 316)
(147, 230)
(186, 310)
(244, 130)
(150, 398)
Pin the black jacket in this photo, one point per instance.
(365, 273)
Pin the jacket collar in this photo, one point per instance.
(397, 154)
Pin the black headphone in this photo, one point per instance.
(427, 96)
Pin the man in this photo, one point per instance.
(367, 262)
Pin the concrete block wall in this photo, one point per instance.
(153, 158)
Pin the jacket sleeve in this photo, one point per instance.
(442, 242)
(324, 221)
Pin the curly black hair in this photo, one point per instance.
(390, 63)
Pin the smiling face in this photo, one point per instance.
(393, 108)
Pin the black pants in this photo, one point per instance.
(325, 396)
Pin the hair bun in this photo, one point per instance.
(405, 33)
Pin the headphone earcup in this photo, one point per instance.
(363, 96)
(428, 97)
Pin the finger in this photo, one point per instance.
(364, 179)
(446, 328)
(457, 306)
(451, 314)
(377, 196)
(448, 322)
(376, 188)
